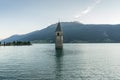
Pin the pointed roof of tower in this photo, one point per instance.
(58, 27)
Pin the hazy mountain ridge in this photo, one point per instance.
(73, 32)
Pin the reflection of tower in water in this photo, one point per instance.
(59, 53)
(59, 64)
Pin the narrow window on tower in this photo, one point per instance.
(58, 34)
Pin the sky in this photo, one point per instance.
(24, 16)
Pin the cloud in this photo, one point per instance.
(88, 9)
(98, 1)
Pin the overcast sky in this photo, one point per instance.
(23, 16)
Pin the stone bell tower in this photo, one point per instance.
(59, 37)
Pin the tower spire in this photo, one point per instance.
(58, 27)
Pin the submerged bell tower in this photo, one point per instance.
(59, 37)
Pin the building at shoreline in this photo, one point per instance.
(59, 37)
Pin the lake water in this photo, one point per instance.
(74, 62)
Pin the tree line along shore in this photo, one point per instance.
(15, 43)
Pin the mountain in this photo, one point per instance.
(73, 32)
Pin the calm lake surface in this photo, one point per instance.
(74, 62)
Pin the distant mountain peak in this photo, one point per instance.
(73, 32)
